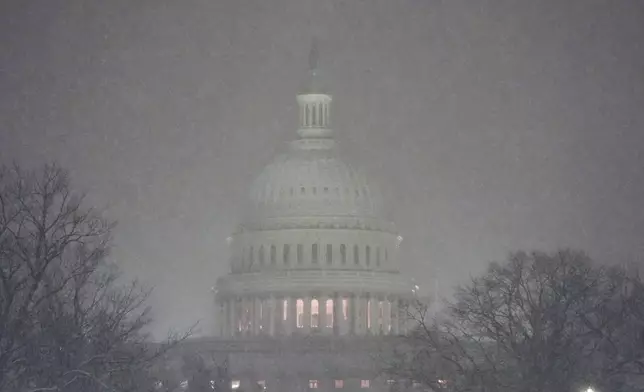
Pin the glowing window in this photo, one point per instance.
(286, 251)
(339, 384)
(329, 313)
(345, 308)
(315, 313)
(234, 384)
(329, 254)
(314, 253)
(313, 384)
(343, 253)
(285, 310)
(364, 383)
(299, 305)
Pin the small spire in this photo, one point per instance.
(313, 55)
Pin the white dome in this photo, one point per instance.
(312, 182)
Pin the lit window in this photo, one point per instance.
(356, 255)
(285, 310)
(339, 384)
(262, 384)
(300, 253)
(300, 313)
(367, 255)
(343, 253)
(364, 383)
(345, 308)
(313, 384)
(329, 313)
(391, 382)
(329, 254)
(234, 384)
(315, 313)
(286, 253)
(273, 254)
(314, 253)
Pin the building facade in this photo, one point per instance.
(314, 281)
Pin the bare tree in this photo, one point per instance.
(540, 322)
(66, 322)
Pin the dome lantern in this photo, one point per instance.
(314, 103)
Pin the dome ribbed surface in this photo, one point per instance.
(312, 183)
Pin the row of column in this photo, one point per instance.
(288, 315)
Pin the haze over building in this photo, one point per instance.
(314, 278)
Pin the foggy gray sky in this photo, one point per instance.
(490, 125)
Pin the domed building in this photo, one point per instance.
(314, 280)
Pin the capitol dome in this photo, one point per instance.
(313, 253)
(311, 180)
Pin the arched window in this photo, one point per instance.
(285, 310)
(343, 253)
(356, 255)
(367, 255)
(329, 313)
(314, 253)
(286, 253)
(261, 255)
(315, 313)
(299, 310)
(300, 253)
(273, 254)
(345, 308)
(329, 254)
